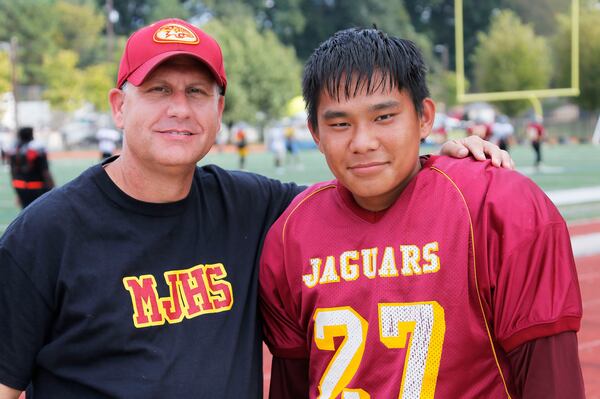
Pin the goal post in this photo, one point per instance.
(532, 95)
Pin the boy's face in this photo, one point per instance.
(371, 142)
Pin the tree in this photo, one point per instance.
(97, 80)
(133, 14)
(63, 81)
(435, 19)
(79, 29)
(304, 24)
(589, 55)
(263, 74)
(442, 85)
(327, 17)
(34, 24)
(516, 61)
(160, 9)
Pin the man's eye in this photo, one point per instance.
(159, 89)
(196, 91)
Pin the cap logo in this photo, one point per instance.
(175, 33)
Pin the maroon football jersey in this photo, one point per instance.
(423, 299)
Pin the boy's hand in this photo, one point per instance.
(479, 149)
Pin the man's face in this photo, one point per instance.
(173, 117)
(371, 142)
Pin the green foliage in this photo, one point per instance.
(540, 13)
(516, 61)
(263, 74)
(327, 17)
(442, 85)
(97, 81)
(133, 14)
(33, 23)
(79, 29)
(64, 81)
(589, 56)
(435, 19)
(160, 9)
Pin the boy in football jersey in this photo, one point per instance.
(412, 278)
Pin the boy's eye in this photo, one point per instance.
(339, 124)
(384, 117)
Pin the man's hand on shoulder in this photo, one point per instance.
(8, 393)
(479, 149)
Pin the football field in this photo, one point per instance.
(570, 174)
(564, 167)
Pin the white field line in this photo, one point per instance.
(574, 195)
(586, 245)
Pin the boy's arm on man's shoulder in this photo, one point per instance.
(8, 393)
(547, 368)
(480, 150)
(289, 378)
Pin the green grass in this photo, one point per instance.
(565, 166)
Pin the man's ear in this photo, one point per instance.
(315, 135)
(116, 100)
(426, 118)
(221, 107)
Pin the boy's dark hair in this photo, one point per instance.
(25, 134)
(359, 53)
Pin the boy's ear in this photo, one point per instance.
(427, 117)
(315, 135)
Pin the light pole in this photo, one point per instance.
(112, 17)
(13, 78)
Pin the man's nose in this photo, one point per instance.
(179, 105)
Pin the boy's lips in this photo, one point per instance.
(367, 167)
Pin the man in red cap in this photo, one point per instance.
(140, 277)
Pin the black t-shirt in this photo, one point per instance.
(102, 295)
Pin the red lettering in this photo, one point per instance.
(219, 288)
(144, 299)
(172, 306)
(194, 291)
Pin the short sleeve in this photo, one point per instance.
(25, 317)
(537, 291)
(278, 304)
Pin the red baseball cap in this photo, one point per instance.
(153, 44)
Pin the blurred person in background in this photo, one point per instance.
(241, 142)
(277, 145)
(29, 169)
(291, 147)
(535, 133)
(502, 132)
(107, 141)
